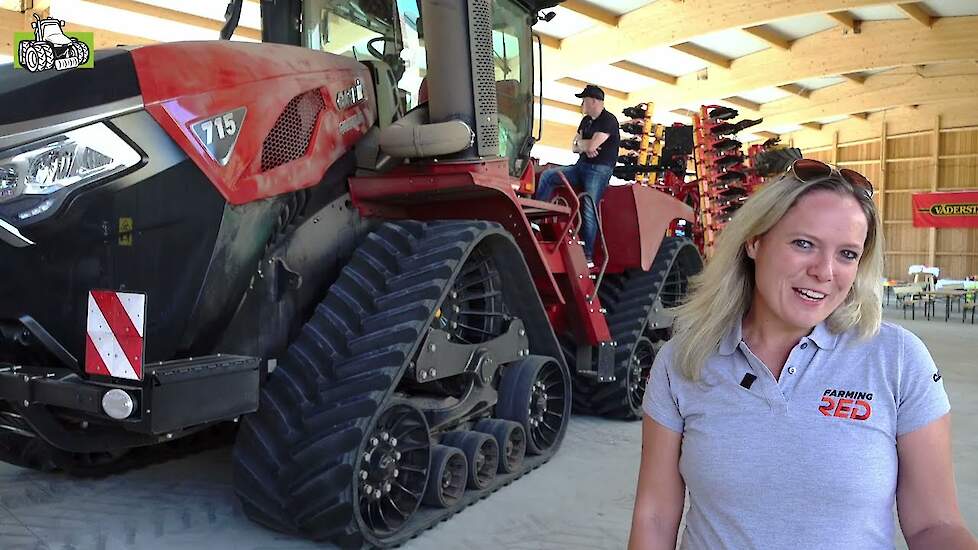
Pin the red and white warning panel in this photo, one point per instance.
(114, 344)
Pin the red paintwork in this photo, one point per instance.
(641, 216)
(484, 190)
(184, 82)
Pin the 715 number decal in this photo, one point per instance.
(218, 134)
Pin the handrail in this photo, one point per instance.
(604, 246)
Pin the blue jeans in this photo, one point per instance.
(592, 179)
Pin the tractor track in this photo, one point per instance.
(634, 300)
(295, 460)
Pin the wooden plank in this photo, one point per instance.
(580, 84)
(769, 35)
(795, 89)
(685, 112)
(700, 52)
(561, 105)
(812, 125)
(641, 70)
(846, 19)
(549, 41)
(592, 12)
(881, 184)
(854, 77)
(918, 13)
(741, 102)
(835, 147)
(935, 176)
(175, 16)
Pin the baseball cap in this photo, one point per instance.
(592, 91)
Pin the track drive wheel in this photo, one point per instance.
(536, 394)
(393, 469)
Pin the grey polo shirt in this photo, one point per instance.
(807, 461)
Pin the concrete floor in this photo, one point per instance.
(581, 500)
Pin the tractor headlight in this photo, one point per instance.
(72, 159)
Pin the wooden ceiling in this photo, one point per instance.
(927, 58)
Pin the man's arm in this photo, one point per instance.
(594, 144)
(578, 144)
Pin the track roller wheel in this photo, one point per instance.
(511, 439)
(448, 476)
(393, 469)
(482, 454)
(535, 393)
(639, 367)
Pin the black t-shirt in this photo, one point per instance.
(607, 151)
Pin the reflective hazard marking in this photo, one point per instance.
(114, 341)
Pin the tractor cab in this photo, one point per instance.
(50, 30)
(390, 38)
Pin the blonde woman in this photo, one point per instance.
(793, 416)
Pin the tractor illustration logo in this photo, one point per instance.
(51, 48)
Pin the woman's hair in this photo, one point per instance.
(722, 293)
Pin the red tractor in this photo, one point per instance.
(282, 238)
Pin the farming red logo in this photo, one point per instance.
(849, 404)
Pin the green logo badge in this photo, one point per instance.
(49, 47)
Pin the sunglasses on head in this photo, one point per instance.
(808, 170)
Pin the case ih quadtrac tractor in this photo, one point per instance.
(284, 238)
(51, 47)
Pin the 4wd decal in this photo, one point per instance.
(50, 47)
(218, 134)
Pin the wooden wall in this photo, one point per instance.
(940, 159)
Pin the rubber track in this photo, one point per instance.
(629, 298)
(294, 458)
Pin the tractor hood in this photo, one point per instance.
(27, 96)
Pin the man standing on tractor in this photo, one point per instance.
(597, 141)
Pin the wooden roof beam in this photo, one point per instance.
(795, 89)
(592, 12)
(917, 12)
(745, 103)
(886, 92)
(661, 24)
(951, 39)
(769, 35)
(684, 112)
(812, 125)
(854, 77)
(176, 16)
(860, 116)
(642, 70)
(580, 84)
(846, 19)
(549, 41)
(700, 52)
(562, 106)
(766, 134)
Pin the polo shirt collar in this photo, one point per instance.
(820, 335)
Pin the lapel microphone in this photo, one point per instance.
(748, 380)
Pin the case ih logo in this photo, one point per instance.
(350, 96)
(49, 47)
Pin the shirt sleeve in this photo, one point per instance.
(922, 397)
(660, 401)
(609, 124)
